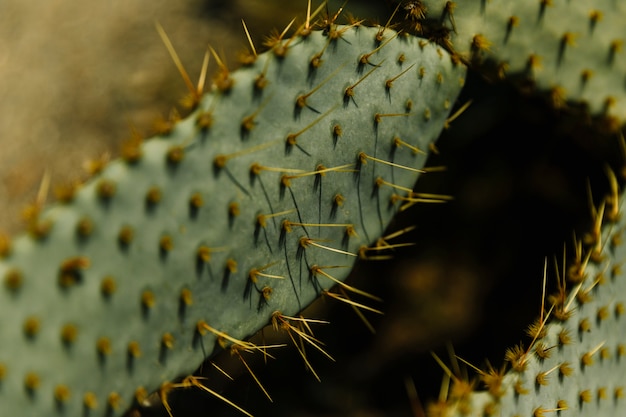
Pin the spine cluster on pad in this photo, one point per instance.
(260, 201)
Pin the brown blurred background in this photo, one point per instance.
(76, 78)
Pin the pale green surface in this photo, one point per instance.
(560, 64)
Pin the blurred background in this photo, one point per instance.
(77, 78)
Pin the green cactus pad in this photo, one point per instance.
(576, 364)
(573, 51)
(255, 203)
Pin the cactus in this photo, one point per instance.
(574, 364)
(247, 210)
(288, 170)
(571, 52)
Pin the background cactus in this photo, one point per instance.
(572, 53)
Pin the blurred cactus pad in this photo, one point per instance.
(287, 170)
(571, 52)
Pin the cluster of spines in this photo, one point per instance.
(567, 335)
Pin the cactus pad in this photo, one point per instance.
(289, 169)
(575, 364)
(571, 51)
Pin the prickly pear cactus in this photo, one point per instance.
(575, 363)
(259, 201)
(572, 51)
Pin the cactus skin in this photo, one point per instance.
(112, 294)
(571, 51)
(576, 364)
